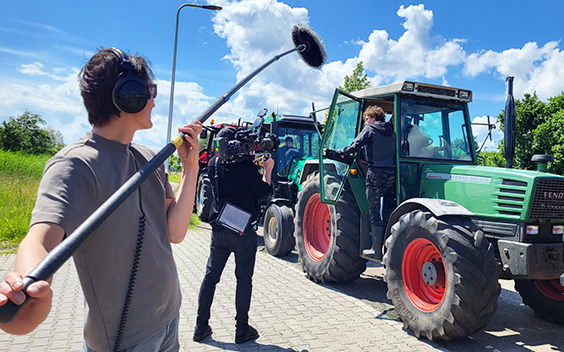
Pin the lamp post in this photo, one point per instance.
(170, 108)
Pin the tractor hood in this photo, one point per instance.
(497, 193)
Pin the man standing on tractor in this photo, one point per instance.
(380, 140)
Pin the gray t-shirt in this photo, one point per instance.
(75, 183)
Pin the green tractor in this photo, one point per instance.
(299, 138)
(457, 228)
(300, 141)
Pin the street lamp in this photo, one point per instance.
(168, 131)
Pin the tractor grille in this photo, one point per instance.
(548, 199)
(510, 197)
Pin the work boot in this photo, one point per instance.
(377, 233)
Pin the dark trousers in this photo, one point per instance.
(380, 182)
(223, 243)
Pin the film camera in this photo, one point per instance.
(246, 141)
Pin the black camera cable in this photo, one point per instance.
(133, 275)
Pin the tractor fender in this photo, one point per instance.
(310, 166)
(437, 207)
(276, 201)
(280, 201)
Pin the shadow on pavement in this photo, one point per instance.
(251, 346)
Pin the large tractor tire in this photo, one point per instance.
(278, 230)
(545, 297)
(442, 275)
(327, 236)
(204, 196)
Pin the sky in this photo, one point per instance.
(473, 45)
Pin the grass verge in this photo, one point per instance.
(174, 179)
(19, 179)
(20, 175)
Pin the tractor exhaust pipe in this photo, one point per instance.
(509, 133)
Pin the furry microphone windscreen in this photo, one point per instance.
(314, 52)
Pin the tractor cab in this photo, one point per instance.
(299, 142)
(432, 125)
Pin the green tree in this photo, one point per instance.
(492, 158)
(539, 129)
(56, 137)
(25, 134)
(174, 163)
(357, 81)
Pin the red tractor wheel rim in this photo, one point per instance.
(317, 232)
(550, 289)
(420, 255)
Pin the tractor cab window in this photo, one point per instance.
(296, 143)
(432, 129)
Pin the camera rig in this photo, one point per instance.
(246, 141)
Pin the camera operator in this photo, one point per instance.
(118, 93)
(239, 183)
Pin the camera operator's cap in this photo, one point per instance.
(227, 132)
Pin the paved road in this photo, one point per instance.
(513, 328)
(290, 312)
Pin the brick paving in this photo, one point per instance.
(290, 312)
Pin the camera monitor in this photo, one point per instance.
(234, 218)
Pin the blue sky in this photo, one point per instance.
(473, 45)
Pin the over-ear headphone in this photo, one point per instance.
(130, 93)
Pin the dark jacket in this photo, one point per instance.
(239, 183)
(380, 141)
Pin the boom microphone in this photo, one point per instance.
(311, 50)
(314, 53)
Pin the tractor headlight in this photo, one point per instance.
(532, 230)
(408, 86)
(464, 94)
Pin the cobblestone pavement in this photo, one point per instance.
(290, 312)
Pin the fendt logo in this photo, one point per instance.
(553, 195)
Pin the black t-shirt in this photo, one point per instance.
(239, 183)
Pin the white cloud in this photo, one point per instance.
(258, 30)
(34, 69)
(16, 52)
(536, 69)
(254, 31)
(57, 99)
(415, 53)
(59, 102)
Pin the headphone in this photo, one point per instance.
(130, 93)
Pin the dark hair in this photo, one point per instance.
(97, 80)
(376, 112)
